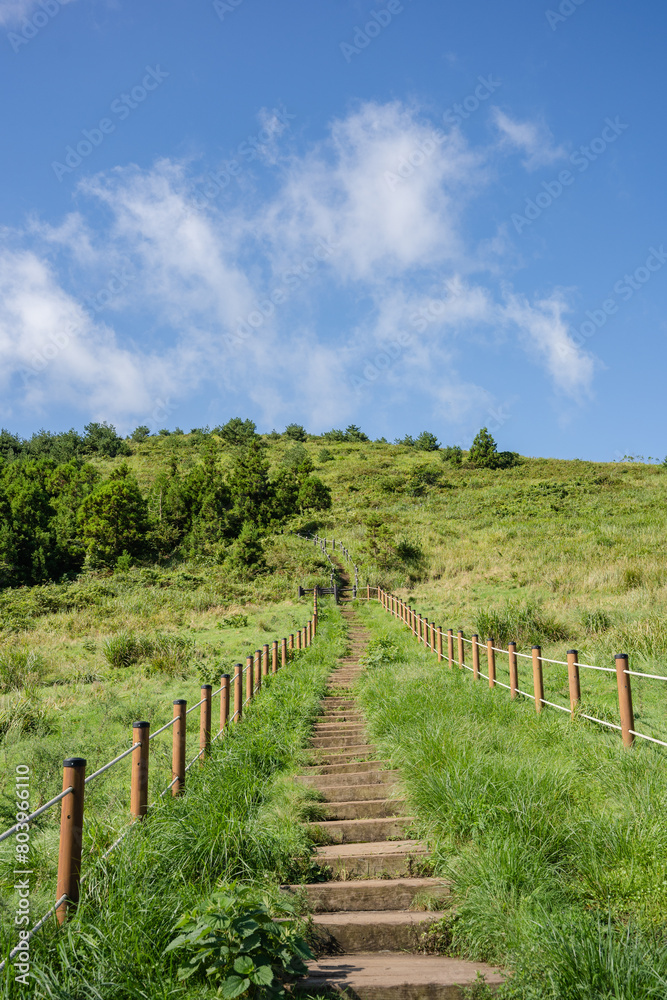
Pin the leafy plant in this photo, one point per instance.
(452, 454)
(233, 621)
(381, 651)
(19, 668)
(325, 456)
(296, 432)
(527, 624)
(233, 940)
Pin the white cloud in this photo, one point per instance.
(13, 12)
(533, 138)
(201, 275)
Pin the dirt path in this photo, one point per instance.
(372, 915)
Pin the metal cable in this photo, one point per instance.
(654, 677)
(38, 926)
(37, 812)
(195, 706)
(126, 753)
(651, 738)
(592, 718)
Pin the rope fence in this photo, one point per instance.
(246, 681)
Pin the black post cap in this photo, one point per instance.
(575, 651)
(226, 677)
(621, 656)
(74, 762)
(140, 725)
(207, 687)
(180, 701)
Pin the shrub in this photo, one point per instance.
(233, 621)
(124, 649)
(170, 654)
(452, 454)
(233, 941)
(19, 668)
(236, 432)
(381, 651)
(296, 432)
(484, 454)
(525, 624)
(141, 433)
(427, 442)
(325, 456)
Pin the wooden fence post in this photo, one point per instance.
(514, 673)
(491, 659)
(538, 679)
(139, 780)
(573, 679)
(298, 639)
(224, 700)
(625, 699)
(205, 723)
(265, 660)
(475, 657)
(432, 637)
(238, 691)
(368, 591)
(291, 642)
(71, 835)
(274, 657)
(258, 669)
(249, 681)
(283, 652)
(178, 747)
(462, 655)
(439, 643)
(450, 647)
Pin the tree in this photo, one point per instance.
(113, 519)
(354, 433)
(141, 433)
(484, 454)
(452, 454)
(252, 493)
(296, 432)
(102, 439)
(427, 442)
(313, 495)
(247, 552)
(237, 433)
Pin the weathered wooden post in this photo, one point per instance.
(205, 723)
(249, 679)
(439, 643)
(491, 660)
(283, 652)
(258, 670)
(139, 781)
(462, 656)
(573, 679)
(224, 701)
(178, 747)
(514, 672)
(71, 835)
(274, 656)
(625, 699)
(265, 660)
(450, 647)
(538, 679)
(475, 657)
(238, 691)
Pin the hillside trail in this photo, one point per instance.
(370, 918)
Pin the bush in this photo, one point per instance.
(484, 454)
(325, 456)
(141, 433)
(237, 433)
(124, 649)
(296, 432)
(233, 941)
(19, 668)
(526, 624)
(452, 454)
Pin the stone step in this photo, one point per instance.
(371, 894)
(355, 739)
(362, 808)
(361, 831)
(356, 754)
(390, 976)
(344, 728)
(335, 702)
(354, 793)
(336, 718)
(359, 770)
(372, 930)
(393, 858)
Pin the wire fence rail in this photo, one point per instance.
(434, 636)
(247, 680)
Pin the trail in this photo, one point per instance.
(370, 919)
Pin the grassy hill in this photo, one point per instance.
(563, 554)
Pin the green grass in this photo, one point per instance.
(239, 819)
(554, 836)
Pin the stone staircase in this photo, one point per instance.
(371, 917)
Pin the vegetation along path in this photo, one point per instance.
(371, 917)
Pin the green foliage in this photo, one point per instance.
(297, 458)
(313, 495)
(382, 650)
(233, 941)
(20, 668)
(421, 478)
(296, 432)
(237, 433)
(124, 649)
(484, 453)
(233, 621)
(452, 454)
(167, 654)
(351, 433)
(102, 439)
(594, 622)
(524, 623)
(141, 433)
(114, 519)
(247, 552)
(424, 442)
(325, 455)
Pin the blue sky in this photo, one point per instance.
(407, 215)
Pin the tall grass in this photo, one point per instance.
(553, 835)
(237, 820)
